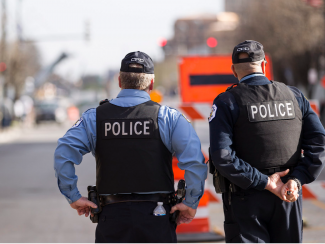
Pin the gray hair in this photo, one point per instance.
(249, 66)
(140, 81)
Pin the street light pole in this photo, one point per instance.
(19, 22)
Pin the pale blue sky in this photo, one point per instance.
(117, 27)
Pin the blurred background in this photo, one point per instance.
(59, 58)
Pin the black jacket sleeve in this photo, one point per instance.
(313, 143)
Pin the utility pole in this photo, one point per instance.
(3, 54)
(3, 31)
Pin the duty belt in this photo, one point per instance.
(271, 171)
(159, 197)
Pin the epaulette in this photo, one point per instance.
(103, 101)
(230, 87)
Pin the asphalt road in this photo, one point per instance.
(33, 210)
(31, 207)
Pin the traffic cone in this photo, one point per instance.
(199, 228)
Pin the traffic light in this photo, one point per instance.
(212, 42)
(314, 3)
(162, 42)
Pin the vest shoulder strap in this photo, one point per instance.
(103, 101)
(228, 89)
(232, 86)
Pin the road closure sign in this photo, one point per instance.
(202, 78)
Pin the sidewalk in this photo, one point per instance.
(10, 134)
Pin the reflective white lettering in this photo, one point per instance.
(123, 129)
(254, 110)
(263, 115)
(145, 128)
(282, 114)
(135, 128)
(131, 128)
(108, 127)
(119, 128)
(276, 110)
(289, 108)
(271, 115)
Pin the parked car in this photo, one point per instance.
(50, 110)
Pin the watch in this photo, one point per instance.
(297, 181)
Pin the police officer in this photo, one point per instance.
(133, 139)
(258, 128)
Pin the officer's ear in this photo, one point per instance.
(119, 82)
(263, 65)
(234, 71)
(151, 85)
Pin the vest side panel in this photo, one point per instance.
(275, 141)
(128, 165)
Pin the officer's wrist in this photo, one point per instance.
(73, 196)
(297, 181)
(268, 185)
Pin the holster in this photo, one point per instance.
(220, 183)
(94, 197)
(178, 197)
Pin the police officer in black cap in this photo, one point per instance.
(258, 129)
(133, 139)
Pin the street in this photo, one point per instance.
(33, 210)
(31, 206)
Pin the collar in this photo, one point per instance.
(133, 93)
(250, 76)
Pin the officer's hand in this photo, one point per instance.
(186, 214)
(82, 205)
(275, 185)
(291, 186)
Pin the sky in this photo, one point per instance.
(116, 28)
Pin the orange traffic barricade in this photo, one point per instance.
(202, 78)
(199, 229)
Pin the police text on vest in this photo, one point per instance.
(127, 128)
(273, 110)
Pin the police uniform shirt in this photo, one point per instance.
(223, 118)
(176, 133)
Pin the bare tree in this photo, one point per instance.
(23, 61)
(291, 31)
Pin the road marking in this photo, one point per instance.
(315, 228)
(318, 204)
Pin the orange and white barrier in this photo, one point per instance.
(193, 111)
(196, 111)
(314, 191)
(200, 225)
(314, 104)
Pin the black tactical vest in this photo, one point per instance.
(130, 155)
(268, 129)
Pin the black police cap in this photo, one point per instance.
(137, 58)
(254, 50)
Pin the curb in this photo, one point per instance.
(9, 134)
